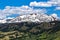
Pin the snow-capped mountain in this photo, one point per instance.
(3, 21)
(33, 18)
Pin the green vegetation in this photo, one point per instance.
(15, 35)
(30, 31)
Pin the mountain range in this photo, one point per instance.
(34, 17)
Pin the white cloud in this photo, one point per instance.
(49, 3)
(58, 4)
(46, 4)
(43, 4)
(57, 1)
(9, 10)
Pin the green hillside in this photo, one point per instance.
(30, 31)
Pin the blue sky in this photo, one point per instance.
(4, 3)
(17, 3)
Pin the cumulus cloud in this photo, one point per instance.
(57, 1)
(49, 3)
(58, 4)
(9, 10)
(46, 4)
(43, 4)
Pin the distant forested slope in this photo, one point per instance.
(30, 31)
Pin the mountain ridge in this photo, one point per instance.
(33, 18)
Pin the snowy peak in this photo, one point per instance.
(33, 18)
(3, 21)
